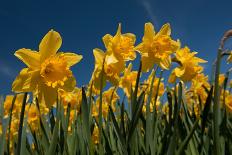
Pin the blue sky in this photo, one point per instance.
(82, 23)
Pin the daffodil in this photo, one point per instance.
(33, 116)
(128, 80)
(189, 65)
(111, 72)
(46, 70)
(196, 95)
(199, 83)
(156, 48)
(95, 135)
(73, 98)
(121, 45)
(109, 98)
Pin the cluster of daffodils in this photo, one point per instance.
(51, 84)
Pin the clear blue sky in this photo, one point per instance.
(82, 23)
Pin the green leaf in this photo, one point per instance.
(54, 141)
(135, 118)
(21, 124)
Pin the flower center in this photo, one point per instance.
(55, 71)
(125, 46)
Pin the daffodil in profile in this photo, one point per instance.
(156, 48)
(110, 70)
(128, 80)
(188, 65)
(47, 70)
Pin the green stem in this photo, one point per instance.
(216, 108)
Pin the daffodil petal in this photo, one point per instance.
(106, 39)
(111, 59)
(50, 44)
(179, 71)
(25, 81)
(165, 30)
(147, 63)
(29, 57)
(99, 56)
(72, 58)
(47, 95)
(166, 63)
(149, 31)
(69, 84)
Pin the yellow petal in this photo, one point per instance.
(47, 95)
(72, 58)
(149, 31)
(119, 29)
(179, 71)
(166, 63)
(106, 39)
(147, 63)
(99, 56)
(165, 30)
(110, 59)
(26, 81)
(50, 44)
(29, 57)
(117, 37)
(69, 84)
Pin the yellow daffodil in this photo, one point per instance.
(196, 95)
(128, 80)
(106, 101)
(111, 72)
(121, 45)
(95, 135)
(46, 70)
(156, 48)
(33, 116)
(189, 65)
(198, 84)
(73, 98)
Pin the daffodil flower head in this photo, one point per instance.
(46, 70)
(188, 65)
(156, 48)
(108, 66)
(120, 45)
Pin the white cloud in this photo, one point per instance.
(147, 5)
